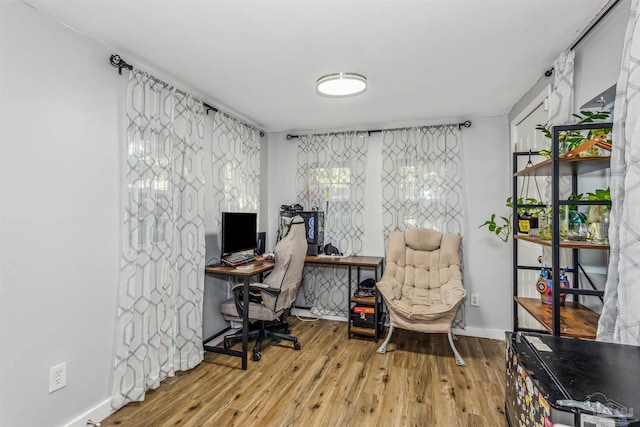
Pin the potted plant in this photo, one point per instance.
(502, 226)
(571, 140)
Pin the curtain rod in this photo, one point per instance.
(120, 63)
(594, 24)
(466, 124)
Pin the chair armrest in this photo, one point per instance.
(256, 287)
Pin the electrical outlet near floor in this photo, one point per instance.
(57, 377)
(475, 300)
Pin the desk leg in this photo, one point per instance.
(349, 306)
(245, 323)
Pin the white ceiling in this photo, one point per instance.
(424, 60)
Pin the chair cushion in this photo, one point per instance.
(422, 239)
(256, 311)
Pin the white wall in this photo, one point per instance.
(597, 60)
(61, 107)
(486, 168)
(487, 260)
(599, 54)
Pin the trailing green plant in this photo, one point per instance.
(502, 229)
(527, 210)
(600, 194)
(502, 226)
(571, 139)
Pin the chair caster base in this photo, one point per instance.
(296, 345)
(256, 356)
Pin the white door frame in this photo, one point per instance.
(542, 97)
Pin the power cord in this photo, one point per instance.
(305, 319)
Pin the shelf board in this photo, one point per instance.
(363, 331)
(563, 243)
(574, 165)
(576, 320)
(364, 300)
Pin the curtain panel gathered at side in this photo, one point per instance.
(620, 318)
(561, 100)
(159, 323)
(422, 179)
(236, 167)
(331, 176)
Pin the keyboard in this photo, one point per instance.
(237, 259)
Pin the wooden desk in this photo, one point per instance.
(258, 267)
(377, 263)
(255, 268)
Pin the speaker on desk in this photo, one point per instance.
(261, 243)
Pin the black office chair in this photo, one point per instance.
(270, 302)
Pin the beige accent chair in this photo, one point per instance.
(270, 302)
(422, 283)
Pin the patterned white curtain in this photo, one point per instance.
(422, 183)
(331, 176)
(422, 179)
(560, 113)
(236, 167)
(159, 324)
(561, 97)
(620, 318)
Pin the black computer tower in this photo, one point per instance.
(314, 227)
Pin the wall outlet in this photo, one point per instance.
(475, 300)
(57, 377)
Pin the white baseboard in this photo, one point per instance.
(470, 331)
(96, 414)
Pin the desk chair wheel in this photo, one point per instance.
(256, 356)
(296, 345)
(227, 344)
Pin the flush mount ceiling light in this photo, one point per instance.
(341, 84)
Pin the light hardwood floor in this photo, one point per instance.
(333, 381)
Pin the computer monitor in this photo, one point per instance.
(239, 232)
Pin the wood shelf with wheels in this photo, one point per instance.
(365, 314)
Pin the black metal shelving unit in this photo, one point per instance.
(555, 168)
